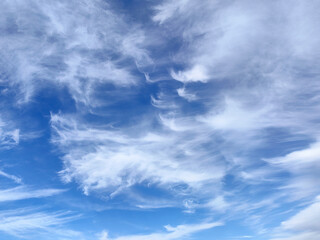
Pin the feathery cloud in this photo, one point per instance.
(22, 192)
(178, 232)
(27, 222)
(82, 49)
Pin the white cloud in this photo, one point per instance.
(304, 166)
(168, 9)
(12, 177)
(103, 235)
(184, 94)
(233, 39)
(304, 225)
(307, 219)
(21, 192)
(113, 160)
(178, 232)
(297, 161)
(236, 118)
(196, 74)
(259, 87)
(9, 136)
(219, 204)
(28, 223)
(301, 236)
(60, 45)
(261, 55)
(270, 78)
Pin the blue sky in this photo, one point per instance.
(159, 120)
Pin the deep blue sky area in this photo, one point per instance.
(159, 120)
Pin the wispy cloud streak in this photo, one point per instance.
(22, 192)
(111, 160)
(178, 232)
(82, 49)
(27, 222)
